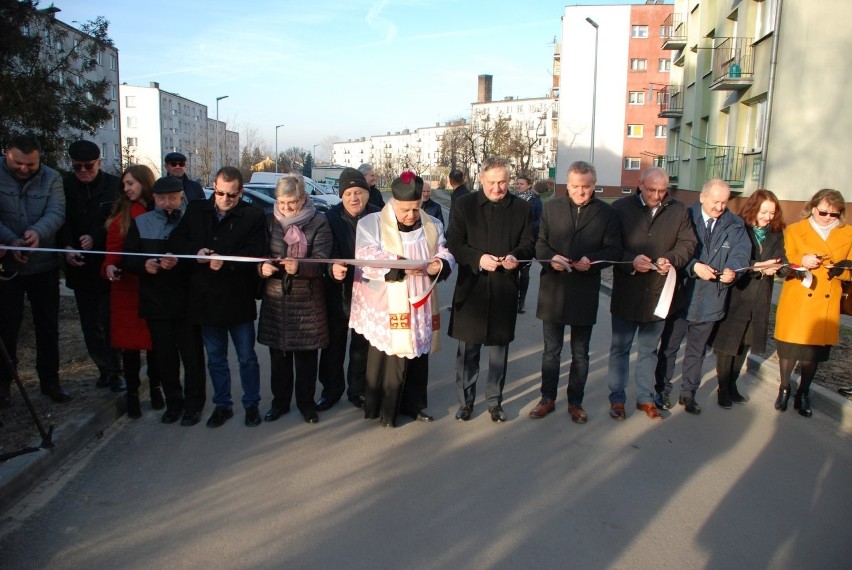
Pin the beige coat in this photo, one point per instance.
(811, 315)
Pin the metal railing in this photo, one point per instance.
(733, 61)
(673, 167)
(671, 101)
(727, 163)
(674, 31)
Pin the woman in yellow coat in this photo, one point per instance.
(808, 320)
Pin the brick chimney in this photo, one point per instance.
(483, 91)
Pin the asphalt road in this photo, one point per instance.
(741, 488)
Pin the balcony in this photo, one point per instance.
(673, 168)
(727, 163)
(671, 103)
(733, 65)
(674, 34)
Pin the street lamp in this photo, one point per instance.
(276, 146)
(315, 153)
(218, 147)
(594, 91)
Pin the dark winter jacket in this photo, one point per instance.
(164, 295)
(751, 296)
(729, 248)
(342, 225)
(36, 204)
(87, 206)
(293, 311)
(434, 209)
(192, 189)
(376, 198)
(485, 303)
(571, 298)
(668, 234)
(227, 296)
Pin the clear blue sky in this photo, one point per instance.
(341, 68)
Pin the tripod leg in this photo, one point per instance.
(46, 435)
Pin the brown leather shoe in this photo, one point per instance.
(650, 410)
(577, 413)
(616, 412)
(544, 407)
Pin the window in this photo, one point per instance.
(115, 122)
(660, 131)
(89, 96)
(132, 141)
(130, 101)
(638, 64)
(635, 131)
(639, 32)
(131, 122)
(116, 151)
(113, 62)
(599, 189)
(661, 98)
(61, 77)
(627, 190)
(103, 150)
(632, 163)
(765, 20)
(99, 57)
(665, 32)
(659, 161)
(756, 119)
(637, 98)
(665, 65)
(112, 92)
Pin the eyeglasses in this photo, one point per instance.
(176, 163)
(830, 214)
(230, 195)
(78, 166)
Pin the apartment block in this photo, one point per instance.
(156, 122)
(609, 102)
(758, 97)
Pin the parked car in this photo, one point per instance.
(266, 202)
(265, 182)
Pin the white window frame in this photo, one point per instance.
(132, 141)
(130, 101)
(639, 31)
(756, 120)
(665, 65)
(636, 98)
(113, 61)
(764, 20)
(661, 131)
(632, 163)
(627, 190)
(132, 122)
(635, 131)
(638, 64)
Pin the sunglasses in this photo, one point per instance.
(176, 163)
(830, 214)
(230, 195)
(78, 166)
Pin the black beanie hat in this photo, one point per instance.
(350, 177)
(84, 150)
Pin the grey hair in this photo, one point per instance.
(653, 171)
(583, 167)
(495, 162)
(714, 183)
(291, 185)
(365, 168)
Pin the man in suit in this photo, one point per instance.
(722, 247)
(575, 230)
(489, 232)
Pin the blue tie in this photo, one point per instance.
(709, 231)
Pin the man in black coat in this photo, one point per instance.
(89, 196)
(457, 187)
(176, 166)
(343, 219)
(489, 232)
(430, 206)
(223, 292)
(575, 230)
(657, 238)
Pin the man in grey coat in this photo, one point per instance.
(32, 209)
(575, 230)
